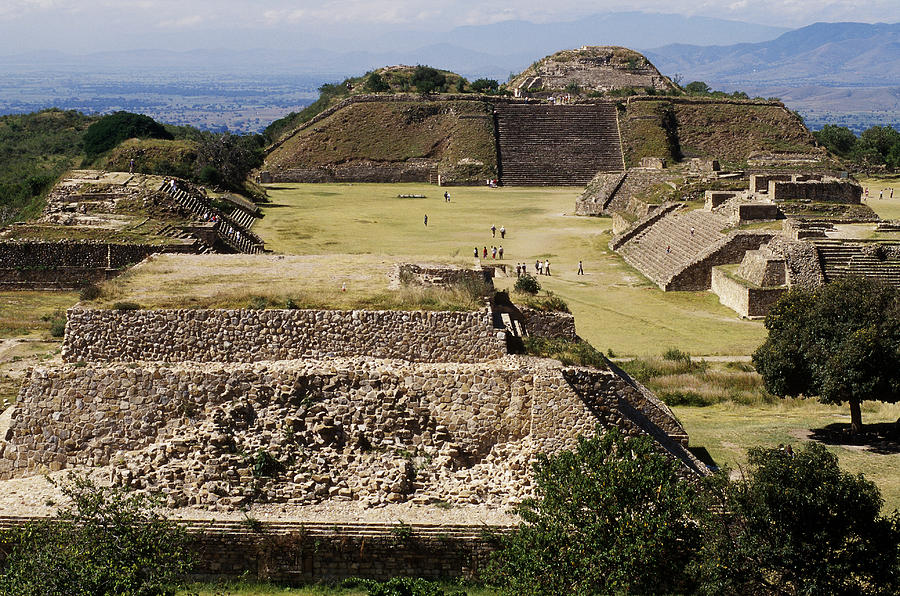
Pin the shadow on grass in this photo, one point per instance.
(882, 437)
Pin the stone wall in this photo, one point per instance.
(444, 275)
(643, 224)
(698, 275)
(257, 335)
(413, 170)
(68, 264)
(827, 191)
(759, 183)
(802, 265)
(224, 435)
(744, 299)
(762, 268)
(560, 325)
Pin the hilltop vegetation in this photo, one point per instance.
(35, 149)
(878, 147)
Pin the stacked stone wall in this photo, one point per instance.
(67, 264)
(829, 191)
(414, 170)
(747, 301)
(559, 325)
(369, 430)
(257, 335)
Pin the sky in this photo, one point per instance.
(98, 25)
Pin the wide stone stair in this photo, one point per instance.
(229, 231)
(667, 247)
(546, 145)
(842, 259)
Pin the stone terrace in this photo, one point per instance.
(546, 145)
(871, 260)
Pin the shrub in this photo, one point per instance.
(126, 306)
(427, 80)
(527, 284)
(375, 83)
(58, 326)
(106, 542)
(570, 353)
(484, 85)
(89, 292)
(549, 303)
(111, 130)
(610, 517)
(676, 355)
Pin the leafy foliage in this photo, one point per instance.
(877, 146)
(840, 342)
(611, 517)
(484, 85)
(107, 542)
(375, 83)
(226, 159)
(799, 525)
(527, 284)
(570, 353)
(428, 80)
(35, 149)
(111, 130)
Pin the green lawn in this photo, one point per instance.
(886, 208)
(615, 307)
(23, 313)
(727, 430)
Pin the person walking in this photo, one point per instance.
(547, 267)
(502, 232)
(476, 252)
(493, 231)
(493, 252)
(539, 266)
(580, 268)
(426, 220)
(484, 255)
(500, 252)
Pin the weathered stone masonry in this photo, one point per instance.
(256, 335)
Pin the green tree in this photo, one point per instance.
(840, 140)
(840, 342)
(227, 159)
(610, 517)
(485, 85)
(107, 542)
(797, 524)
(111, 130)
(697, 88)
(375, 83)
(428, 80)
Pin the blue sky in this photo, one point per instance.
(92, 25)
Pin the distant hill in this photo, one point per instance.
(820, 54)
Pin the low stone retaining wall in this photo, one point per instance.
(698, 274)
(559, 325)
(828, 191)
(256, 335)
(363, 171)
(745, 300)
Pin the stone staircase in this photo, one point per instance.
(667, 247)
(843, 259)
(546, 145)
(229, 231)
(172, 232)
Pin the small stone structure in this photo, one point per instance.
(832, 190)
(754, 286)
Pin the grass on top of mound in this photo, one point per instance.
(340, 282)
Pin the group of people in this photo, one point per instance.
(562, 99)
(496, 252)
(494, 231)
(880, 193)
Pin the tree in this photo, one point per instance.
(797, 524)
(427, 80)
(840, 342)
(227, 159)
(610, 517)
(485, 85)
(375, 83)
(840, 140)
(111, 130)
(107, 542)
(697, 88)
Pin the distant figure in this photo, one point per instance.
(426, 220)
(500, 252)
(580, 268)
(446, 196)
(880, 194)
(668, 249)
(493, 252)
(692, 230)
(476, 252)
(493, 231)
(131, 167)
(539, 265)
(547, 267)
(172, 184)
(485, 252)
(892, 193)
(503, 231)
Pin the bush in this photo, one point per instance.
(111, 130)
(427, 80)
(549, 303)
(89, 292)
(610, 517)
(798, 524)
(124, 305)
(106, 542)
(58, 327)
(397, 586)
(570, 353)
(527, 284)
(676, 355)
(375, 83)
(258, 303)
(484, 85)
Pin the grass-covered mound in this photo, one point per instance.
(459, 135)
